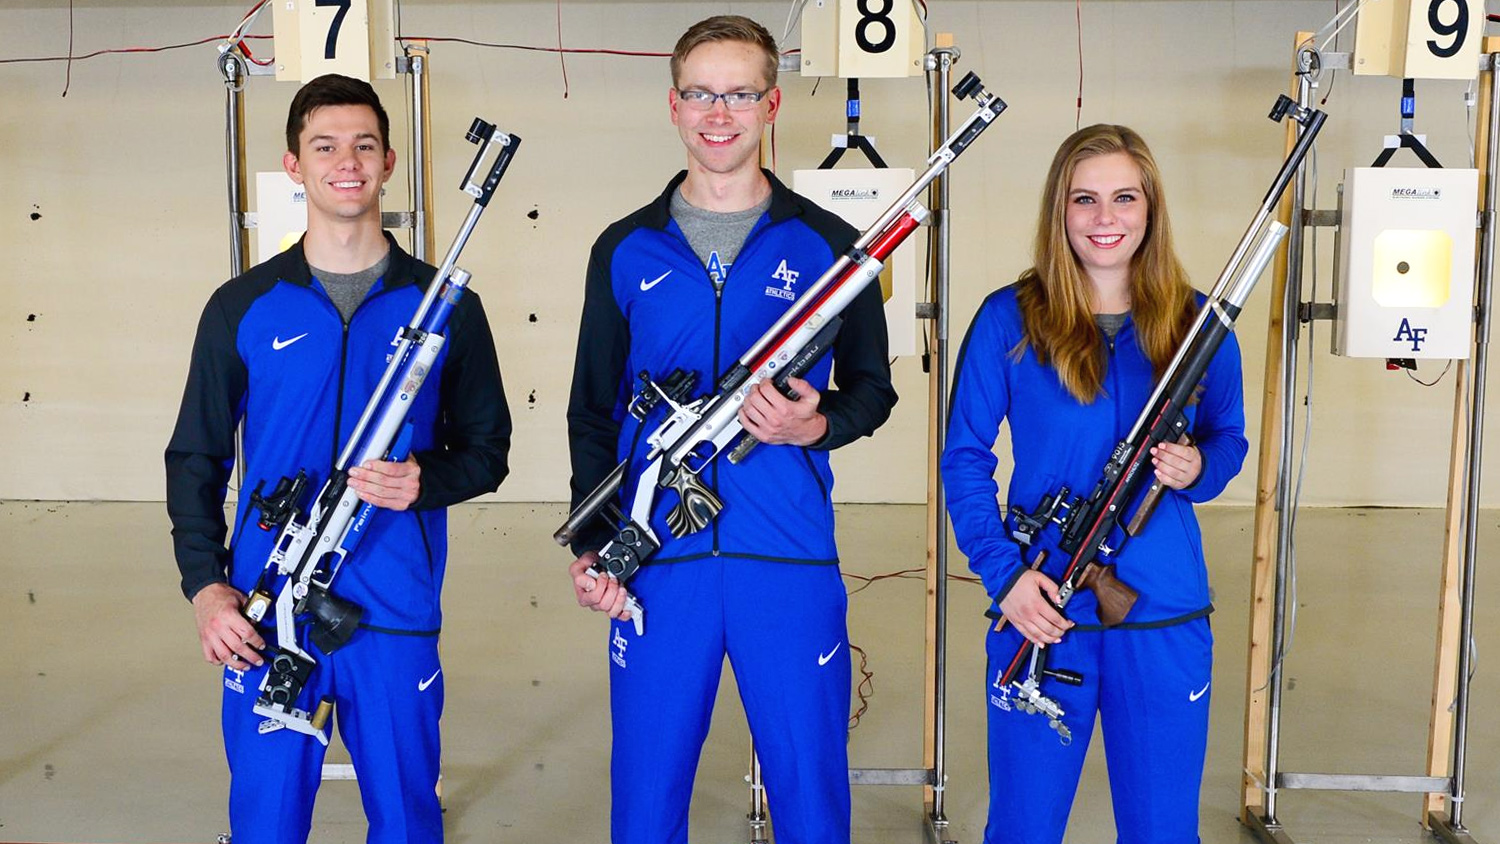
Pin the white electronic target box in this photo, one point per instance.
(1405, 287)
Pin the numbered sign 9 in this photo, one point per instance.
(862, 39)
(352, 37)
(1419, 39)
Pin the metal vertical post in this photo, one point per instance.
(1472, 459)
(232, 68)
(416, 64)
(942, 240)
(1292, 335)
(757, 816)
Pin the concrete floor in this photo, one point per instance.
(109, 729)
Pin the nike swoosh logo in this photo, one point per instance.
(278, 344)
(647, 285)
(823, 658)
(1192, 696)
(422, 686)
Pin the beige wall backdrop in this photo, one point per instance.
(113, 225)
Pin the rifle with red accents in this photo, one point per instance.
(1092, 531)
(698, 430)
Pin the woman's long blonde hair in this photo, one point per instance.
(1055, 294)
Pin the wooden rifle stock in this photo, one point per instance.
(1114, 595)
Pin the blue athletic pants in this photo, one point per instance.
(782, 626)
(1150, 690)
(388, 697)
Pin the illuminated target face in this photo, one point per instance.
(1413, 268)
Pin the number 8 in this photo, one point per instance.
(881, 18)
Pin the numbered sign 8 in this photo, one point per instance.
(862, 38)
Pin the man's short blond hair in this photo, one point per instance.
(727, 28)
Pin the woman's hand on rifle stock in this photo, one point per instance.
(1031, 606)
(1177, 466)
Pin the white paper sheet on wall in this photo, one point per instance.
(859, 197)
(281, 213)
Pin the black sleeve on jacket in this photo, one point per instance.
(473, 436)
(598, 370)
(200, 456)
(861, 352)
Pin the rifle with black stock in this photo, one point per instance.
(1093, 530)
(315, 539)
(697, 430)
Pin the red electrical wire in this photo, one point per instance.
(112, 50)
(1078, 15)
(562, 58)
(573, 50)
(866, 686)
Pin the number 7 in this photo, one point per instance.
(338, 21)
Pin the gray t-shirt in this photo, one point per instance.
(347, 290)
(716, 236)
(1110, 323)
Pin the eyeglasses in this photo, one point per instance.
(734, 100)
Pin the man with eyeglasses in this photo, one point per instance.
(691, 281)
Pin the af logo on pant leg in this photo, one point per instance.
(618, 645)
(1000, 698)
(238, 683)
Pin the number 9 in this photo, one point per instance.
(1459, 28)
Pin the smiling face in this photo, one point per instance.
(342, 163)
(1107, 214)
(718, 140)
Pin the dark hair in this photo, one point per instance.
(333, 90)
(727, 28)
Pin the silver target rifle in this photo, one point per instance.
(697, 430)
(1092, 531)
(312, 544)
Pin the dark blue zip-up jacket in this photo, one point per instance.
(1057, 441)
(650, 305)
(273, 351)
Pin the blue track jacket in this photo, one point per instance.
(273, 351)
(649, 305)
(1056, 441)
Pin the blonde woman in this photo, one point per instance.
(1068, 355)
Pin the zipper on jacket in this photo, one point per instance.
(718, 322)
(338, 399)
(718, 287)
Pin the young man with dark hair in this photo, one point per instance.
(761, 584)
(293, 349)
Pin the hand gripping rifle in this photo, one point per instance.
(1092, 532)
(697, 430)
(313, 544)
